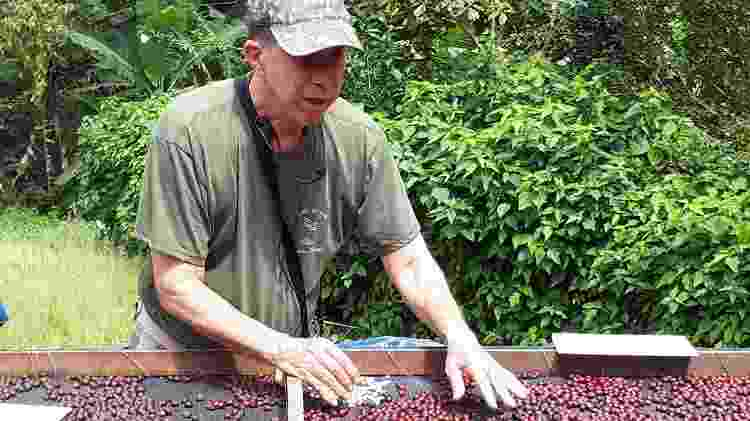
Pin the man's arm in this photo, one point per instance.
(416, 274)
(182, 292)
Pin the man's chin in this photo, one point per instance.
(314, 118)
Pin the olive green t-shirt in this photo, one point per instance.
(204, 195)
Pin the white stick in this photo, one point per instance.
(295, 399)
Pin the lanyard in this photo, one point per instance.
(262, 132)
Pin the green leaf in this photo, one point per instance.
(441, 194)
(669, 129)
(705, 326)
(673, 307)
(554, 255)
(729, 333)
(548, 231)
(449, 232)
(468, 234)
(698, 279)
(740, 183)
(743, 233)
(9, 71)
(502, 209)
(123, 67)
(589, 224)
(682, 297)
(467, 168)
(719, 226)
(686, 278)
(359, 269)
(718, 258)
(525, 200)
(539, 200)
(521, 239)
(733, 263)
(515, 299)
(633, 110)
(573, 230)
(490, 299)
(666, 279)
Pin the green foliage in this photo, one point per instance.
(30, 32)
(376, 77)
(113, 146)
(412, 14)
(417, 21)
(548, 173)
(686, 245)
(93, 9)
(679, 26)
(454, 61)
(9, 71)
(380, 319)
(169, 47)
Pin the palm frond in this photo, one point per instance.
(122, 66)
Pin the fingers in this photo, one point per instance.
(345, 371)
(329, 365)
(329, 372)
(487, 388)
(456, 379)
(309, 376)
(506, 385)
(501, 386)
(328, 394)
(278, 376)
(517, 387)
(337, 368)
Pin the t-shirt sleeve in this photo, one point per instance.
(386, 219)
(173, 216)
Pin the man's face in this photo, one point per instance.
(303, 87)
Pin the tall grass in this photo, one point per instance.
(62, 288)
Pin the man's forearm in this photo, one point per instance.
(212, 316)
(424, 287)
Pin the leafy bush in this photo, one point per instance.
(538, 179)
(684, 251)
(377, 76)
(113, 145)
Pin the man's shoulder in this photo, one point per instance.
(349, 116)
(190, 108)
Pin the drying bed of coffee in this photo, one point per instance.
(244, 398)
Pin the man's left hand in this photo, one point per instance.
(464, 351)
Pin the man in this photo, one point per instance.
(218, 273)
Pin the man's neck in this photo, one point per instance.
(287, 135)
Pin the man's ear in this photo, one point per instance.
(251, 53)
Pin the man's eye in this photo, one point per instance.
(322, 57)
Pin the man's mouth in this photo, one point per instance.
(316, 101)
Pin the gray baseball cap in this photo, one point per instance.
(303, 27)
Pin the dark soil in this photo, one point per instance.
(235, 398)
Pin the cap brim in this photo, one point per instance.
(310, 37)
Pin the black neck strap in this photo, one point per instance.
(262, 131)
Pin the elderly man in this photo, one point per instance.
(254, 184)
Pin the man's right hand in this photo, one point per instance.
(318, 362)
